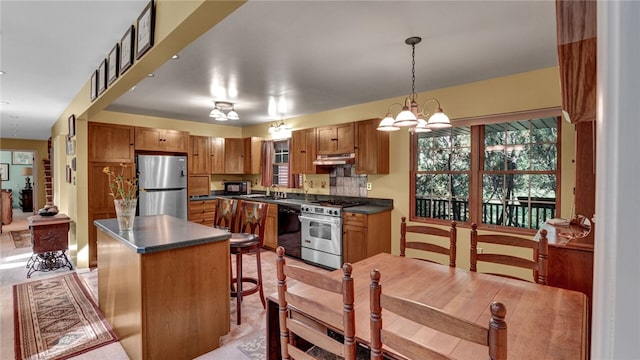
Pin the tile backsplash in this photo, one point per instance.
(344, 181)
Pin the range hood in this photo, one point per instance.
(337, 159)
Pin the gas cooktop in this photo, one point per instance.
(336, 203)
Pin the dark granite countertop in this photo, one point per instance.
(161, 232)
(367, 209)
(203, 197)
(368, 205)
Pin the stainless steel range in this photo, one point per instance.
(321, 228)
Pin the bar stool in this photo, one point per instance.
(250, 220)
(225, 214)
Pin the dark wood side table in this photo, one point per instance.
(26, 200)
(50, 240)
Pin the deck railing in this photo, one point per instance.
(521, 213)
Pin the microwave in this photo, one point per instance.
(237, 187)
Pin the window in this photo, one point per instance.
(281, 163)
(442, 174)
(499, 174)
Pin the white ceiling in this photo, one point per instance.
(318, 55)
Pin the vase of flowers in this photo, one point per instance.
(123, 190)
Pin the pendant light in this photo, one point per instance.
(410, 114)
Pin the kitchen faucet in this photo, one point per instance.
(276, 194)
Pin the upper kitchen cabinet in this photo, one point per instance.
(216, 155)
(372, 148)
(152, 139)
(336, 139)
(303, 151)
(242, 155)
(577, 48)
(234, 155)
(199, 155)
(110, 143)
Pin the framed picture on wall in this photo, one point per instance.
(72, 125)
(22, 158)
(4, 172)
(94, 85)
(112, 62)
(126, 50)
(145, 30)
(102, 77)
(71, 146)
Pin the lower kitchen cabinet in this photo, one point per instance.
(271, 227)
(364, 235)
(203, 211)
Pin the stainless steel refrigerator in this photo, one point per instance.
(162, 184)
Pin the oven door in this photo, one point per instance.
(322, 233)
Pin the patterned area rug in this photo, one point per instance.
(56, 318)
(21, 238)
(254, 348)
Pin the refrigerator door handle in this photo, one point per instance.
(165, 189)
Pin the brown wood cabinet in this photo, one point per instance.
(110, 142)
(372, 148)
(242, 155)
(216, 155)
(199, 154)
(336, 139)
(203, 211)
(234, 156)
(100, 202)
(364, 235)
(152, 139)
(577, 52)
(198, 185)
(303, 151)
(109, 145)
(170, 304)
(271, 227)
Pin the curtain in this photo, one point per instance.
(267, 162)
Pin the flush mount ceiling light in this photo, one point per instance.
(219, 108)
(277, 126)
(410, 115)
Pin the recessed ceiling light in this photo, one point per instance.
(4, 102)
(175, 57)
(2, 72)
(151, 75)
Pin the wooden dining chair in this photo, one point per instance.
(308, 311)
(494, 336)
(423, 244)
(537, 263)
(248, 238)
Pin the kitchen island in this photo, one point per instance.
(164, 286)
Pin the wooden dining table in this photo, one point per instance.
(543, 322)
